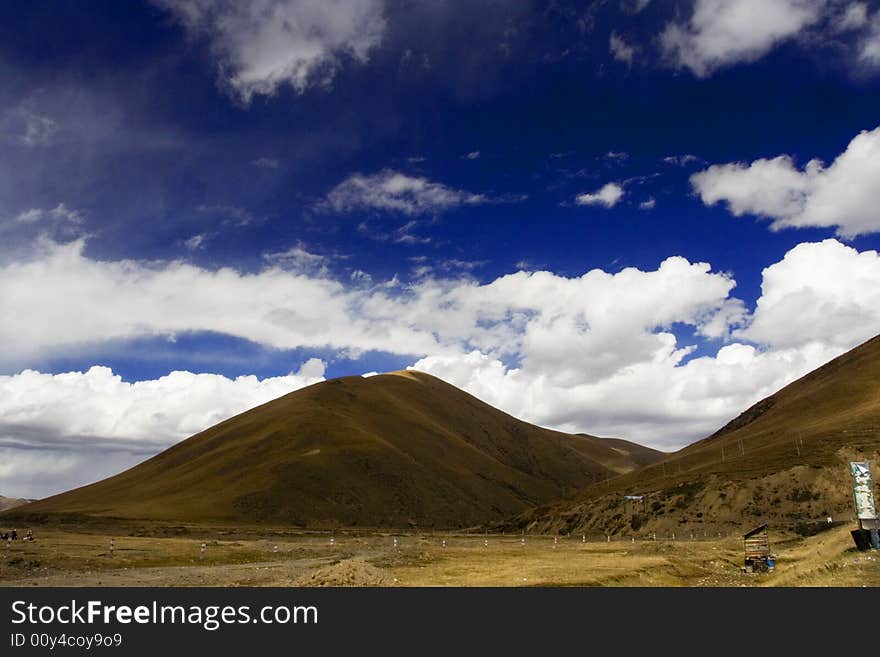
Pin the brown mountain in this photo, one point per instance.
(392, 450)
(785, 460)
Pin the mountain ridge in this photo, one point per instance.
(399, 449)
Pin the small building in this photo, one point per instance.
(757, 548)
(637, 501)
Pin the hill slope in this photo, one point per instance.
(391, 450)
(11, 502)
(785, 459)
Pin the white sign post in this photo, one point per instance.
(863, 493)
(863, 490)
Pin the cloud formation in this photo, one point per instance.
(392, 191)
(298, 258)
(263, 44)
(64, 430)
(28, 126)
(819, 301)
(869, 45)
(842, 195)
(157, 412)
(721, 33)
(611, 354)
(825, 292)
(620, 49)
(607, 196)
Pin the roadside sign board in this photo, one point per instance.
(863, 490)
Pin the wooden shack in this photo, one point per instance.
(757, 547)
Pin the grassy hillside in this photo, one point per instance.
(784, 460)
(402, 449)
(11, 502)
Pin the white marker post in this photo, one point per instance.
(112, 548)
(332, 541)
(673, 536)
(443, 543)
(584, 538)
(395, 543)
(485, 543)
(523, 541)
(653, 536)
(555, 541)
(202, 551)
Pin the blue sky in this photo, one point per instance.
(261, 197)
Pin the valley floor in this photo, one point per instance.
(175, 556)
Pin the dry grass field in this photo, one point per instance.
(173, 556)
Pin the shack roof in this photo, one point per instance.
(756, 530)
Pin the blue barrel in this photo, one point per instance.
(771, 563)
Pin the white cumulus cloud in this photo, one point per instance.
(819, 301)
(842, 194)
(824, 292)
